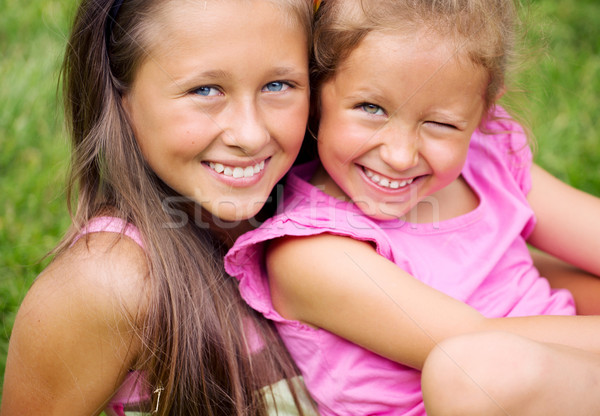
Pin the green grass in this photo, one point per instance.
(33, 147)
(561, 77)
(562, 81)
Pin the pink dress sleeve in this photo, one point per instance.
(508, 135)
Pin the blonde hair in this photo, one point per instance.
(483, 30)
(193, 332)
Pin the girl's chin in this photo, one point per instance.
(383, 212)
(230, 214)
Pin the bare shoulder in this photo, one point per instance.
(287, 256)
(113, 264)
(74, 336)
(103, 272)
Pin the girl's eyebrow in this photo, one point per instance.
(287, 70)
(365, 95)
(204, 76)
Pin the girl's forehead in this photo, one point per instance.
(383, 59)
(195, 40)
(405, 43)
(173, 11)
(198, 21)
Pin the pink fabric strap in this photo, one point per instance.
(111, 225)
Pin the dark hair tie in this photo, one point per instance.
(111, 19)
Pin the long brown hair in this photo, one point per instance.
(193, 333)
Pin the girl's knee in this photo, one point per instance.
(482, 373)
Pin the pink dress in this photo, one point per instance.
(480, 258)
(131, 393)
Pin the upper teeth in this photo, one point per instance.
(385, 182)
(236, 171)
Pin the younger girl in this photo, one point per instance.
(405, 249)
(184, 115)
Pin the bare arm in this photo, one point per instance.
(345, 287)
(72, 343)
(568, 221)
(568, 228)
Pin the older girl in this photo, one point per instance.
(184, 115)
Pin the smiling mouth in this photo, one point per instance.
(386, 182)
(237, 171)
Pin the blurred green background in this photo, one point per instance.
(559, 83)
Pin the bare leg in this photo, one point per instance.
(584, 286)
(504, 374)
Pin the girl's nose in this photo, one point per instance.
(400, 149)
(247, 129)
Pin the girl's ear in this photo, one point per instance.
(500, 93)
(128, 109)
(126, 103)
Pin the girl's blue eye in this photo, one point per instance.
(372, 109)
(275, 86)
(206, 91)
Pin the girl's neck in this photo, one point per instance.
(227, 231)
(231, 231)
(323, 181)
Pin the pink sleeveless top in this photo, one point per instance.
(131, 393)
